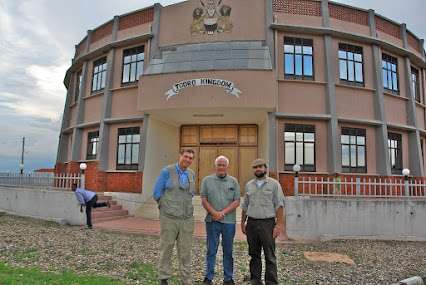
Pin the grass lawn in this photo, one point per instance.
(23, 276)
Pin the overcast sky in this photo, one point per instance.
(37, 39)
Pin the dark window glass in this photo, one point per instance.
(128, 148)
(133, 60)
(78, 85)
(299, 147)
(92, 145)
(395, 152)
(415, 84)
(351, 64)
(353, 142)
(298, 58)
(390, 72)
(99, 74)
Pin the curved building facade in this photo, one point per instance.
(333, 88)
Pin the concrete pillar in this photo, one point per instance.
(383, 164)
(154, 51)
(272, 142)
(333, 157)
(77, 133)
(63, 139)
(142, 145)
(269, 32)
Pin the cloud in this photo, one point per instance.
(37, 39)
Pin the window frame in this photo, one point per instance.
(390, 60)
(415, 84)
(304, 129)
(354, 132)
(398, 157)
(294, 41)
(125, 132)
(99, 62)
(92, 135)
(344, 47)
(78, 85)
(132, 51)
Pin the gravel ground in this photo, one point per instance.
(132, 258)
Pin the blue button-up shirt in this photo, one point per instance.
(163, 180)
(83, 196)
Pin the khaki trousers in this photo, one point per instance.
(177, 231)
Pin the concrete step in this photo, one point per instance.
(101, 220)
(104, 197)
(109, 213)
(103, 209)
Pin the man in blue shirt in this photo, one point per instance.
(88, 199)
(173, 192)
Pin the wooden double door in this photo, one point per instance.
(239, 143)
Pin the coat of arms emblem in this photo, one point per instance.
(211, 17)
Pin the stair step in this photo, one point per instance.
(106, 219)
(110, 213)
(111, 202)
(103, 209)
(104, 197)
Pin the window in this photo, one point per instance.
(390, 73)
(351, 64)
(395, 152)
(92, 145)
(78, 85)
(353, 150)
(133, 60)
(298, 58)
(299, 147)
(415, 84)
(128, 149)
(99, 74)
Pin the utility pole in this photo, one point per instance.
(21, 166)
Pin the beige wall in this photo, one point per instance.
(113, 136)
(321, 139)
(388, 38)
(370, 141)
(100, 43)
(420, 115)
(354, 103)
(248, 18)
(350, 27)
(301, 98)
(73, 116)
(93, 108)
(395, 109)
(299, 20)
(134, 31)
(162, 146)
(124, 103)
(258, 90)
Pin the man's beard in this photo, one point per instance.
(260, 174)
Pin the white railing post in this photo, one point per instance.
(358, 186)
(296, 169)
(406, 172)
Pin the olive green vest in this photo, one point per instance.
(177, 202)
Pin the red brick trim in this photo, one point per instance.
(101, 32)
(136, 19)
(298, 7)
(348, 14)
(387, 27)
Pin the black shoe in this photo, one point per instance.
(207, 282)
(229, 282)
(164, 282)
